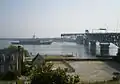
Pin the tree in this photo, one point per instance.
(11, 48)
(25, 69)
(45, 75)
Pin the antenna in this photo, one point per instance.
(106, 27)
(34, 35)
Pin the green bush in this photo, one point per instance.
(25, 70)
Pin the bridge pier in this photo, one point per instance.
(79, 40)
(93, 47)
(104, 49)
(86, 42)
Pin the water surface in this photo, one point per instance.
(61, 48)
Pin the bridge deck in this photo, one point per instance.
(71, 34)
(111, 37)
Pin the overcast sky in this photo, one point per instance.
(50, 18)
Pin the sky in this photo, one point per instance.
(50, 18)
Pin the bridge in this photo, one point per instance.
(87, 39)
(75, 37)
(105, 37)
(72, 34)
(100, 37)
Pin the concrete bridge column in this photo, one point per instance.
(93, 47)
(79, 40)
(86, 42)
(104, 49)
(118, 53)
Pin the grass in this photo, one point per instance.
(54, 57)
(58, 56)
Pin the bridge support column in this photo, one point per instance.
(118, 52)
(93, 47)
(104, 49)
(86, 42)
(79, 40)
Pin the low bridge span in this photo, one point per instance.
(104, 37)
(100, 37)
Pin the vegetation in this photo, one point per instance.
(9, 76)
(26, 69)
(12, 75)
(57, 57)
(54, 57)
(45, 75)
(11, 47)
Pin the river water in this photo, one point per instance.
(60, 48)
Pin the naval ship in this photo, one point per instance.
(32, 41)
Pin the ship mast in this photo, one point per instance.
(34, 36)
